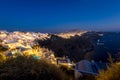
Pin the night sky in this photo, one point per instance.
(59, 15)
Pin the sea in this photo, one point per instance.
(108, 44)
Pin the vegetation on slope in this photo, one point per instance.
(112, 73)
(2, 57)
(27, 68)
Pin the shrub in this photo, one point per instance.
(2, 57)
(27, 68)
(87, 77)
(112, 73)
(69, 71)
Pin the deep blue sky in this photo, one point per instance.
(59, 15)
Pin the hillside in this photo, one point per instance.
(74, 47)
